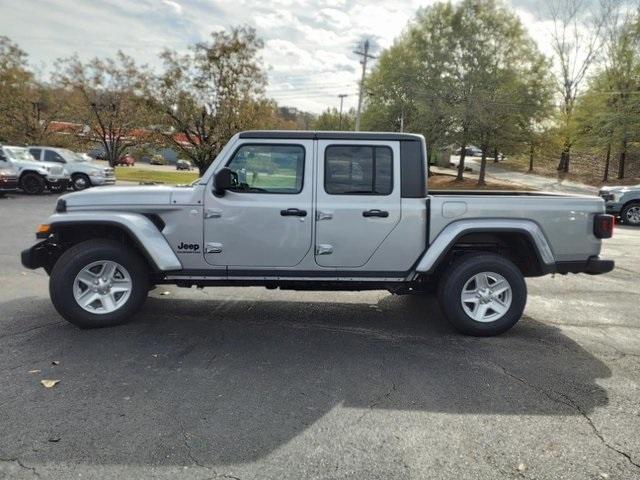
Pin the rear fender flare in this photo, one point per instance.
(455, 230)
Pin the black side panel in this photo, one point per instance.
(413, 181)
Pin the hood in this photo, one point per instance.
(121, 196)
(613, 188)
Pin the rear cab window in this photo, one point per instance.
(358, 170)
(35, 152)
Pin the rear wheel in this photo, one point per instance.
(98, 283)
(483, 294)
(32, 184)
(80, 181)
(631, 214)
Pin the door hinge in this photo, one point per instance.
(324, 249)
(212, 213)
(213, 247)
(324, 215)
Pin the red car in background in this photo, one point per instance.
(126, 160)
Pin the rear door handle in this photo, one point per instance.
(293, 212)
(375, 213)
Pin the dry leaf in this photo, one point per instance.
(55, 362)
(49, 383)
(35, 371)
(522, 467)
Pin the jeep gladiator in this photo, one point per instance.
(316, 211)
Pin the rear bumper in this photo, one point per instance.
(593, 266)
(8, 184)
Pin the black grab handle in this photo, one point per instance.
(293, 212)
(375, 213)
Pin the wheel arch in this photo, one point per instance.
(133, 230)
(521, 241)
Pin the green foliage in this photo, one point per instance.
(331, 119)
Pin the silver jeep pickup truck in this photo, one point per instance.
(316, 211)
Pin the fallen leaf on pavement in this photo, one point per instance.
(55, 362)
(49, 383)
(35, 371)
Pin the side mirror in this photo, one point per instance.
(223, 180)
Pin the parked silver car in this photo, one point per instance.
(84, 174)
(34, 176)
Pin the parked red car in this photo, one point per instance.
(126, 160)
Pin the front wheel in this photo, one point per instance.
(99, 283)
(631, 214)
(32, 184)
(80, 181)
(483, 294)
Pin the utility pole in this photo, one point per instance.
(365, 56)
(341, 97)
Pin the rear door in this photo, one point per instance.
(358, 200)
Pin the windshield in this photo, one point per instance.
(70, 156)
(18, 153)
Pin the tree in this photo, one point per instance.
(27, 106)
(576, 38)
(330, 120)
(112, 102)
(209, 94)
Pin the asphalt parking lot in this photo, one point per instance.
(249, 383)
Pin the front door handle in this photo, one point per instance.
(293, 212)
(375, 213)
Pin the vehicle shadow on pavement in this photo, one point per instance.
(217, 382)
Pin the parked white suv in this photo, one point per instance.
(34, 176)
(84, 174)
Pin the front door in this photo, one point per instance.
(358, 200)
(265, 220)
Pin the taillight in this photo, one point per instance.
(603, 225)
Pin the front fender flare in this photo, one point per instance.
(452, 232)
(142, 230)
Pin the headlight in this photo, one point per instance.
(65, 172)
(95, 173)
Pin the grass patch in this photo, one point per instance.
(132, 174)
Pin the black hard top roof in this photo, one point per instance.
(326, 135)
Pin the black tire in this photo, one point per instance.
(80, 181)
(629, 216)
(462, 271)
(32, 183)
(63, 276)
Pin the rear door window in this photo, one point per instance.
(358, 170)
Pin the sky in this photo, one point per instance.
(308, 52)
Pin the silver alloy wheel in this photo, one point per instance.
(80, 182)
(486, 297)
(102, 287)
(633, 215)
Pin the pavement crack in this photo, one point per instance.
(565, 400)
(20, 464)
(378, 400)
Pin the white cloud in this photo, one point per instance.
(175, 6)
(308, 43)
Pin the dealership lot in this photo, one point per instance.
(250, 383)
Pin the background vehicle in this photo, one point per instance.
(34, 176)
(470, 151)
(316, 211)
(97, 153)
(8, 179)
(84, 174)
(126, 160)
(623, 202)
(158, 160)
(183, 165)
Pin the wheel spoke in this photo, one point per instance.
(499, 287)
(481, 311)
(108, 302)
(108, 270)
(86, 277)
(88, 298)
(121, 286)
(470, 297)
(482, 281)
(499, 307)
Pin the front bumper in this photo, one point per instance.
(97, 181)
(593, 266)
(42, 254)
